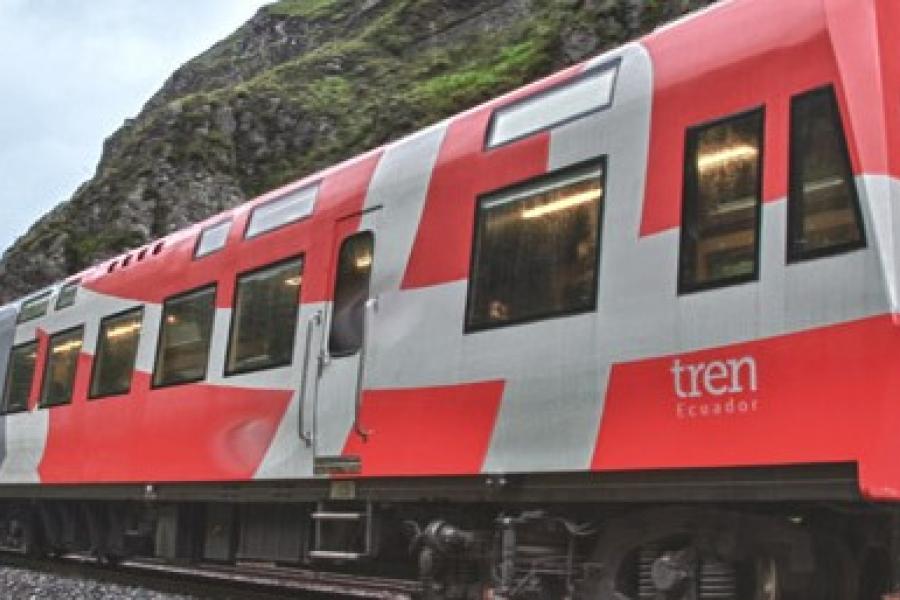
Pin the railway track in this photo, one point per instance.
(242, 581)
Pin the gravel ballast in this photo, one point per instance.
(23, 584)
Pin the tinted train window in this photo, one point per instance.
(536, 250)
(265, 318)
(351, 291)
(288, 209)
(823, 209)
(184, 338)
(212, 239)
(19, 377)
(116, 354)
(589, 92)
(34, 308)
(722, 198)
(67, 295)
(62, 363)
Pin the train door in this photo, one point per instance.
(346, 338)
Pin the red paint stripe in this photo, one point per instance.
(888, 16)
(823, 396)
(427, 431)
(40, 365)
(183, 433)
(853, 32)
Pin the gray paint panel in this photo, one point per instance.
(558, 398)
(8, 315)
(400, 186)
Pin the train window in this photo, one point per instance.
(184, 338)
(265, 318)
(351, 291)
(722, 203)
(590, 92)
(116, 353)
(282, 211)
(62, 363)
(823, 209)
(536, 250)
(213, 239)
(34, 308)
(19, 378)
(67, 295)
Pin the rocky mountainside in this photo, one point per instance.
(303, 84)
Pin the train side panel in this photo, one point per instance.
(792, 367)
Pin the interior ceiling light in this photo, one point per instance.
(720, 158)
(562, 204)
(67, 347)
(122, 330)
(364, 261)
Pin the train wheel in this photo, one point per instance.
(704, 555)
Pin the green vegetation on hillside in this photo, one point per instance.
(383, 81)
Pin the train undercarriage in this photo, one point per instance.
(492, 548)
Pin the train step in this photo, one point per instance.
(342, 532)
(338, 516)
(335, 555)
(337, 465)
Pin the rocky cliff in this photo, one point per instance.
(303, 84)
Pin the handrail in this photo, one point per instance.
(314, 321)
(369, 311)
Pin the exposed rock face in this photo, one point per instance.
(302, 85)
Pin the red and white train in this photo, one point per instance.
(626, 333)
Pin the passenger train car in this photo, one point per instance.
(628, 332)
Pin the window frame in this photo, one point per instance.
(370, 234)
(795, 182)
(599, 163)
(90, 392)
(41, 396)
(226, 372)
(204, 230)
(214, 287)
(690, 184)
(614, 65)
(4, 400)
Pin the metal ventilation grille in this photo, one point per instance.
(717, 581)
(646, 589)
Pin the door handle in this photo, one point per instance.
(311, 325)
(369, 310)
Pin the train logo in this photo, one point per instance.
(719, 388)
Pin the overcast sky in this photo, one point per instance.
(71, 71)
